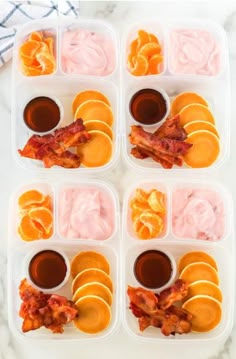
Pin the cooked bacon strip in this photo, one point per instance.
(143, 299)
(158, 311)
(167, 146)
(39, 309)
(165, 160)
(67, 160)
(173, 294)
(171, 129)
(52, 149)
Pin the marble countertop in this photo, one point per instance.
(118, 14)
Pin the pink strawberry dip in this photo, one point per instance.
(194, 51)
(198, 214)
(87, 53)
(86, 212)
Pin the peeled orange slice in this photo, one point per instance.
(193, 257)
(154, 63)
(199, 271)
(204, 287)
(28, 229)
(150, 49)
(97, 151)
(93, 288)
(29, 198)
(200, 125)
(135, 204)
(143, 38)
(94, 110)
(99, 126)
(205, 149)
(88, 95)
(36, 36)
(184, 99)
(91, 275)
(94, 314)
(43, 216)
(141, 196)
(195, 112)
(153, 222)
(88, 259)
(206, 312)
(29, 48)
(153, 38)
(46, 62)
(156, 202)
(141, 66)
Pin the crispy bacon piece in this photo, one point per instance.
(171, 129)
(159, 311)
(173, 294)
(53, 149)
(165, 146)
(39, 309)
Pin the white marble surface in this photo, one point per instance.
(118, 13)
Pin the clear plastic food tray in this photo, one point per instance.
(18, 251)
(61, 85)
(215, 89)
(221, 250)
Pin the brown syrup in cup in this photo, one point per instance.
(153, 269)
(148, 106)
(47, 269)
(42, 114)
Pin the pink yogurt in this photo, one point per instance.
(86, 213)
(87, 53)
(194, 51)
(198, 214)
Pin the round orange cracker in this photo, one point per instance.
(94, 110)
(97, 151)
(88, 95)
(94, 314)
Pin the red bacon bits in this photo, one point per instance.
(159, 310)
(49, 310)
(165, 146)
(53, 149)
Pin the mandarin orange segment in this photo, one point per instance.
(141, 195)
(156, 201)
(153, 222)
(147, 46)
(154, 63)
(150, 49)
(28, 230)
(36, 36)
(30, 197)
(143, 38)
(36, 55)
(141, 66)
(147, 213)
(43, 216)
(29, 48)
(153, 38)
(46, 62)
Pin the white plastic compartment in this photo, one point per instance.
(216, 90)
(222, 250)
(64, 87)
(18, 251)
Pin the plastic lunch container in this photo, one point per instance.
(215, 89)
(61, 85)
(222, 251)
(19, 250)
